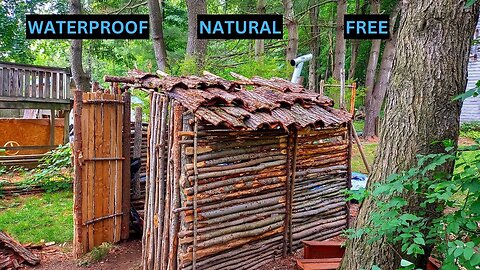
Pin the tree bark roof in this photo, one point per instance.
(258, 103)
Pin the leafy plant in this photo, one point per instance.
(97, 254)
(452, 200)
(470, 130)
(55, 170)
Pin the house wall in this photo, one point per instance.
(471, 105)
(28, 132)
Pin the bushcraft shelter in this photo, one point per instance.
(239, 172)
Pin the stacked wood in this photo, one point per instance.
(13, 254)
(138, 197)
(321, 174)
(223, 199)
(13, 189)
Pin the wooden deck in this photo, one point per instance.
(34, 87)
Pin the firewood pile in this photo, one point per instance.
(13, 254)
(236, 177)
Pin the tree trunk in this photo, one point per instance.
(355, 45)
(292, 26)
(156, 24)
(372, 111)
(260, 43)
(339, 41)
(80, 77)
(314, 32)
(369, 128)
(375, 97)
(196, 48)
(433, 40)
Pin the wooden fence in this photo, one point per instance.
(101, 186)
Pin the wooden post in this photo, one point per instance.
(349, 168)
(352, 99)
(342, 89)
(294, 174)
(52, 127)
(322, 86)
(66, 126)
(137, 149)
(360, 148)
(77, 181)
(126, 167)
(195, 194)
(288, 203)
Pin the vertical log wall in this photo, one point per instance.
(220, 199)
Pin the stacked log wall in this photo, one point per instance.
(221, 199)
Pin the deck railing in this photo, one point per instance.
(34, 82)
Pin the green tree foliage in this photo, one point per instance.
(13, 45)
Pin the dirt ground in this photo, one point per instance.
(127, 256)
(123, 256)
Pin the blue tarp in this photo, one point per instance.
(359, 180)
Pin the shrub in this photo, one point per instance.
(470, 130)
(54, 171)
(453, 230)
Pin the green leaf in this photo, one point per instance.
(469, 3)
(476, 206)
(374, 267)
(458, 252)
(475, 260)
(468, 93)
(468, 253)
(419, 241)
(405, 263)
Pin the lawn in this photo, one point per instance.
(357, 162)
(36, 218)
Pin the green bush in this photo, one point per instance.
(54, 171)
(470, 130)
(452, 228)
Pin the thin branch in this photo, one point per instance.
(128, 6)
(303, 13)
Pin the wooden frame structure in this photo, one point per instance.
(35, 87)
(236, 177)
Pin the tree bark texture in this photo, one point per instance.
(80, 77)
(196, 48)
(355, 46)
(374, 104)
(260, 43)
(314, 40)
(371, 71)
(292, 28)
(156, 23)
(433, 40)
(340, 40)
(375, 97)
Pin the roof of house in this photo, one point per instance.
(247, 104)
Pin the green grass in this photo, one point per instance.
(357, 163)
(370, 151)
(47, 217)
(359, 124)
